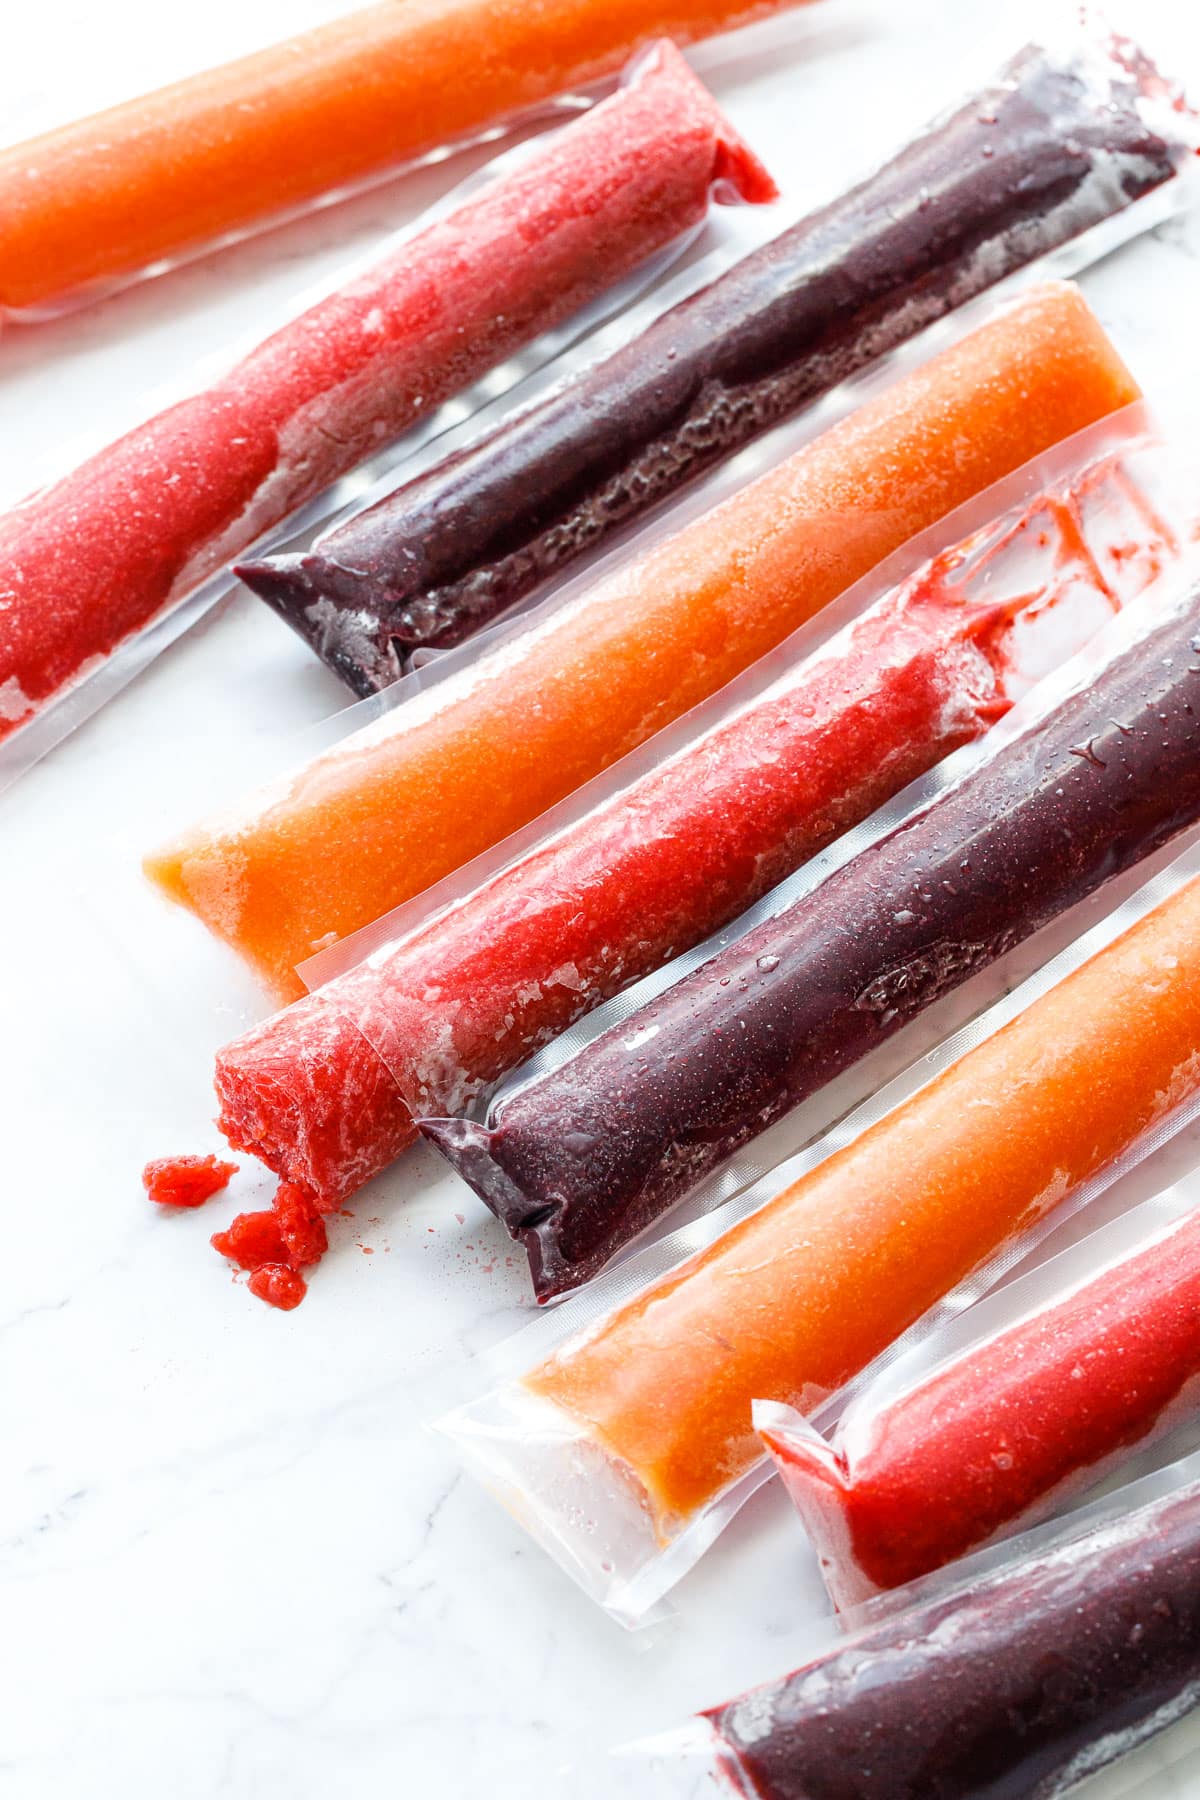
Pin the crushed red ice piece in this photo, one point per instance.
(186, 1180)
(278, 1286)
(254, 1238)
(301, 1226)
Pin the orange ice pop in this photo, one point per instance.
(453, 771)
(211, 157)
(798, 1297)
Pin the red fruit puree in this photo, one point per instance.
(274, 1244)
(186, 1180)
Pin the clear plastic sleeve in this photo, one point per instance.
(456, 989)
(1040, 1670)
(996, 1419)
(1058, 141)
(919, 1201)
(95, 586)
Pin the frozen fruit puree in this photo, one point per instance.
(456, 769)
(217, 154)
(799, 1296)
(278, 1285)
(89, 561)
(1058, 141)
(1017, 1686)
(186, 1180)
(999, 1433)
(289, 1234)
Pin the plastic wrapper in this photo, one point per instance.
(423, 1017)
(96, 558)
(624, 1439)
(136, 189)
(991, 1423)
(485, 748)
(582, 1159)
(1058, 142)
(1019, 1681)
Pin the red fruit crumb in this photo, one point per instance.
(253, 1239)
(278, 1286)
(186, 1180)
(301, 1226)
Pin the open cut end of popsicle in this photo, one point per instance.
(265, 1083)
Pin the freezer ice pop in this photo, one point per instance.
(324, 1091)
(580, 1161)
(239, 146)
(92, 559)
(1002, 1433)
(1018, 1687)
(460, 766)
(802, 1294)
(1058, 141)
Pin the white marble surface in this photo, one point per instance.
(234, 1560)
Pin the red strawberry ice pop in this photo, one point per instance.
(1001, 1434)
(90, 561)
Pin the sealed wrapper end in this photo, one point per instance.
(482, 752)
(580, 1160)
(1060, 141)
(797, 751)
(652, 1400)
(98, 557)
(132, 190)
(1020, 1685)
(1012, 1423)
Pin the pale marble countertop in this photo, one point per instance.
(235, 1561)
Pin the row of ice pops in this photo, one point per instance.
(1074, 1367)
(95, 558)
(224, 152)
(1025, 165)
(326, 1091)
(630, 1443)
(482, 752)
(1054, 147)
(582, 1159)
(1018, 1682)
